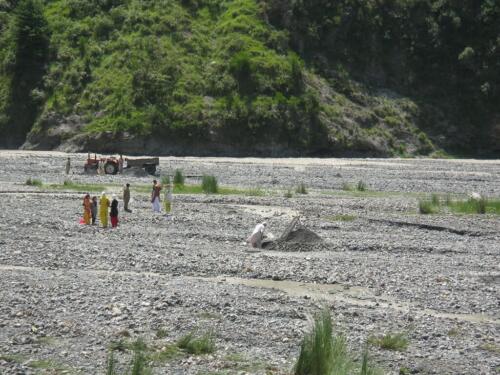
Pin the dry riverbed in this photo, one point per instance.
(69, 291)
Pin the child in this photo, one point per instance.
(93, 209)
(114, 212)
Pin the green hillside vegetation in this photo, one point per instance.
(380, 77)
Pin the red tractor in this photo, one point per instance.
(111, 165)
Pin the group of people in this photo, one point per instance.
(90, 206)
(109, 208)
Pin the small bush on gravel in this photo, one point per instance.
(322, 353)
(396, 341)
(165, 180)
(288, 194)
(178, 178)
(197, 345)
(301, 189)
(435, 200)
(209, 185)
(361, 186)
(347, 187)
(426, 207)
(33, 182)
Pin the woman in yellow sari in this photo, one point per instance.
(87, 213)
(103, 210)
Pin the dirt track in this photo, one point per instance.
(68, 291)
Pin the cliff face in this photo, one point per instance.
(244, 77)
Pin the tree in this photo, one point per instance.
(30, 37)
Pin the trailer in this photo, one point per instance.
(113, 164)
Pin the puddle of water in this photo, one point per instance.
(358, 296)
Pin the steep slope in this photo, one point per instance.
(215, 77)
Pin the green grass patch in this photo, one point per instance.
(33, 182)
(209, 185)
(179, 178)
(14, 358)
(70, 185)
(47, 364)
(323, 353)
(341, 217)
(475, 206)
(161, 333)
(490, 347)
(165, 354)
(390, 341)
(194, 344)
(288, 194)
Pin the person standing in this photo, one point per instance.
(120, 164)
(93, 209)
(114, 212)
(68, 165)
(87, 209)
(126, 197)
(103, 210)
(155, 196)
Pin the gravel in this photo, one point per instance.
(68, 290)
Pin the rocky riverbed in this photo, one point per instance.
(69, 291)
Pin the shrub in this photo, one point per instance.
(165, 180)
(33, 182)
(426, 207)
(396, 341)
(209, 185)
(435, 199)
(197, 345)
(361, 186)
(288, 194)
(347, 187)
(178, 178)
(301, 189)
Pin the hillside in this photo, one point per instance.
(240, 77)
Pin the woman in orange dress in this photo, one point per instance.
(87, 209)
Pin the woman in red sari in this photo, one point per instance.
(87, 209)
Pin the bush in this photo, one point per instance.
(33, 182)
(165, 180)
(347, 187)
(426, 207)
(179, 178)
(288, 194)
(361, 186)
(396, 341)
(435, 199)
(209, 185)
(301, 189)
(197, 345)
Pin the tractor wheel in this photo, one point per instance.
(110, 168)
(150, 168)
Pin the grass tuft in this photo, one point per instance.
(342, 217)
(161, 333)
(34, 182)
(111, 364)
(165, 180)
(322, 353)
(426, 207)
(288, 194)
(197, 344)
(347, 187)
(397, 341)
(179, 178)
(209, 185)
(301, 189)
(361, 186)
